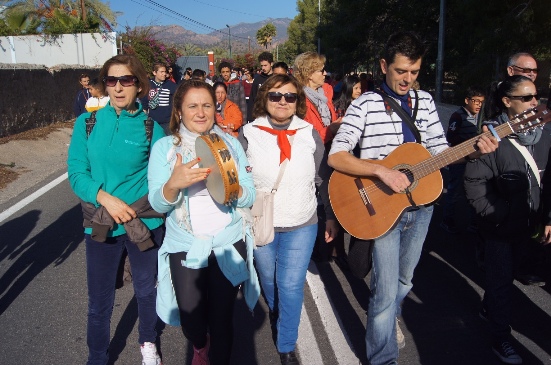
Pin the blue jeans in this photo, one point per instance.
(102, 263)
(281, 267)
(395, 256)
(498, 293)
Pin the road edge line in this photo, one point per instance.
(21, 204)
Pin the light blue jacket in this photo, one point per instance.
(180, 238)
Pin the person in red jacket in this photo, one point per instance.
(320, 112)
(228, 115)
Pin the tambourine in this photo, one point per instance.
(223, 180)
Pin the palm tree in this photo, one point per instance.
(57, 16)
(265, 35)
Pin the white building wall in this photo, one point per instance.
(84, 49)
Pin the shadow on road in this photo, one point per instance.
(52, 245)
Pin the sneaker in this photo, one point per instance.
(530, 279)
(201, 356)
(449, 226)
(288, 358)
(506, 353)
(400, 336)
(150, 355)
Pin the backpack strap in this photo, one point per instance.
(90, 123)
(148, 123)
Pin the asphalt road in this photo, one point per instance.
(43, 301)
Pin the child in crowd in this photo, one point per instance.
(97, 100)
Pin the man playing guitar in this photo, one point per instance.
(371, 122)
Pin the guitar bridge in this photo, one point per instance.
(364, 196)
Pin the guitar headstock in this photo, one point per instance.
(530, 119)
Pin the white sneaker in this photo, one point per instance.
(150, 355)
(400, 336)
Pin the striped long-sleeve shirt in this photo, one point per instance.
(367, 123)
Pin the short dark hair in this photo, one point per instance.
(282, 65)
(260, 110)
(406, 43)
(198, 73)
(222, 65)
(136, 69)
(83, 76)
(95, 83)
(473, 91)
(219, 84)
(266, 56)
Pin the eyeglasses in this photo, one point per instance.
(476, 101)
(524, 98)
(275, 97)
(126, 80)
(322, 70)
(526, 70)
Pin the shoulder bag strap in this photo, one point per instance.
(410, 121)
(529, 158)
(282, 169)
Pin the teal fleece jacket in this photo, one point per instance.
(113, 158)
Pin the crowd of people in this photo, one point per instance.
(134, 163)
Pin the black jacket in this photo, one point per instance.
(505, 193)
(259, 79)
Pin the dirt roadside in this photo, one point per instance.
(29, 157)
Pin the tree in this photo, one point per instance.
(303, 29)
(141, 42)
(52, 17)
(353, 33)
(265, 35)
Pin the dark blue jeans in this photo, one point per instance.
(498, 264)
(102, 263)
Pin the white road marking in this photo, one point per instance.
(21, 204)
(338, 338)
(308, 348)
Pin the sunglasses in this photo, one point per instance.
(525, 98)
(126, 80)
(276, 97)
(322, 70)
(526, 70)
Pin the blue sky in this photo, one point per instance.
(212, 13)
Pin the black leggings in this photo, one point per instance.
(206, 299)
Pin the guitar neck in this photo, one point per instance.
(455, 153)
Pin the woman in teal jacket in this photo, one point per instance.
(207, 250)
(108, 170)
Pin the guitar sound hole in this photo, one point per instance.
(405, 169)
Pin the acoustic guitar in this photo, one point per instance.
(367, 208)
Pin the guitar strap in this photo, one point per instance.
(390, 103)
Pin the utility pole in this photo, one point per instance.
(229, 37)
(440, 57)
(83, 8)
(319, 22)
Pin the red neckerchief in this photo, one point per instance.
(282, 141)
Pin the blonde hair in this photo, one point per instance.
(306, 64)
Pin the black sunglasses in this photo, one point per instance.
(525, 98)
(526, 70)
(276, 97)
(126, 80)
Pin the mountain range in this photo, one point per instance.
(240, 35)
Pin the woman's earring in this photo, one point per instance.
(180, 117)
